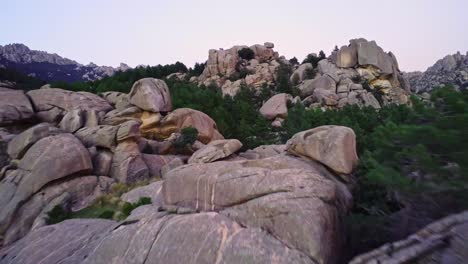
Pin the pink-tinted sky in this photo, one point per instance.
(108, 32)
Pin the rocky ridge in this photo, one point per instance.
(360, 73)
(52, 67)
(451, 70)
(72, 147)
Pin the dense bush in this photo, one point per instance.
(198, 69)
(123, 81)
(246, 53)
(21, 81)
(187, 137)
(314, 59)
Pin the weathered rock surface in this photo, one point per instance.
(444, 241)
(151, 95)
(224, 68)
(152, 190)
(52, 104)
(264, 194)
(18, 146)
(276, 106)
(300, 74)
(151, 240)
(50, 159)
(127, 163)
(264, 151)
(72, 121)
(352, 74)
(334, 146)
(74, 194)
(215, 150)
(156, 162)
(186, 117)
(99, 136)
(14, 106)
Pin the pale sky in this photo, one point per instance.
(108, 32)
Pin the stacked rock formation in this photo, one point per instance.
(223, 66)
(66, 148)
(274, 204)
(358, 74)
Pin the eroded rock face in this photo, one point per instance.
(14, 107)
(152, 240)
(152, 190)
(151, 95)
(186, 117)
(127, 163)
(18, 146)
(52, 104)
(215, 150)
(264, 194)
(334, 146)
(223, 65)
(50, 159)
(291, 216)
(75, 194)
(355, 73)
(444, 241)
(276, 106)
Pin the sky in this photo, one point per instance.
(107, 32)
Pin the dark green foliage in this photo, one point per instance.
(57, 215)
(21, 81)
(246, 53)
(197, 70)
(314, 59)
(106, 214)
(310, 73)
(127, 208)
(283, 75)
(187, 137)
(123, 81)
(293, 61)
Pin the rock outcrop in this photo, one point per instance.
(151, 95)
(334, 146)
(276, 106)
(49, 160)
(444, 241)
(51, 104)
(226, 69)
(272, 208)
(215, 150)
(15, 107)
(53, 163)
(451, 70)
(360, 73)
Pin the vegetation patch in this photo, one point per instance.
(109, 206)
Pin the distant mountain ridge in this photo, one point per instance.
(450, 70)
(51, 67)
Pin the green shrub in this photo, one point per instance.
(107, 214)
(188, 136)
(246, 53)
(57, 215)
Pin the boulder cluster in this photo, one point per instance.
(228, 70)
(66, 148)
(361, 73)
(281, 204)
